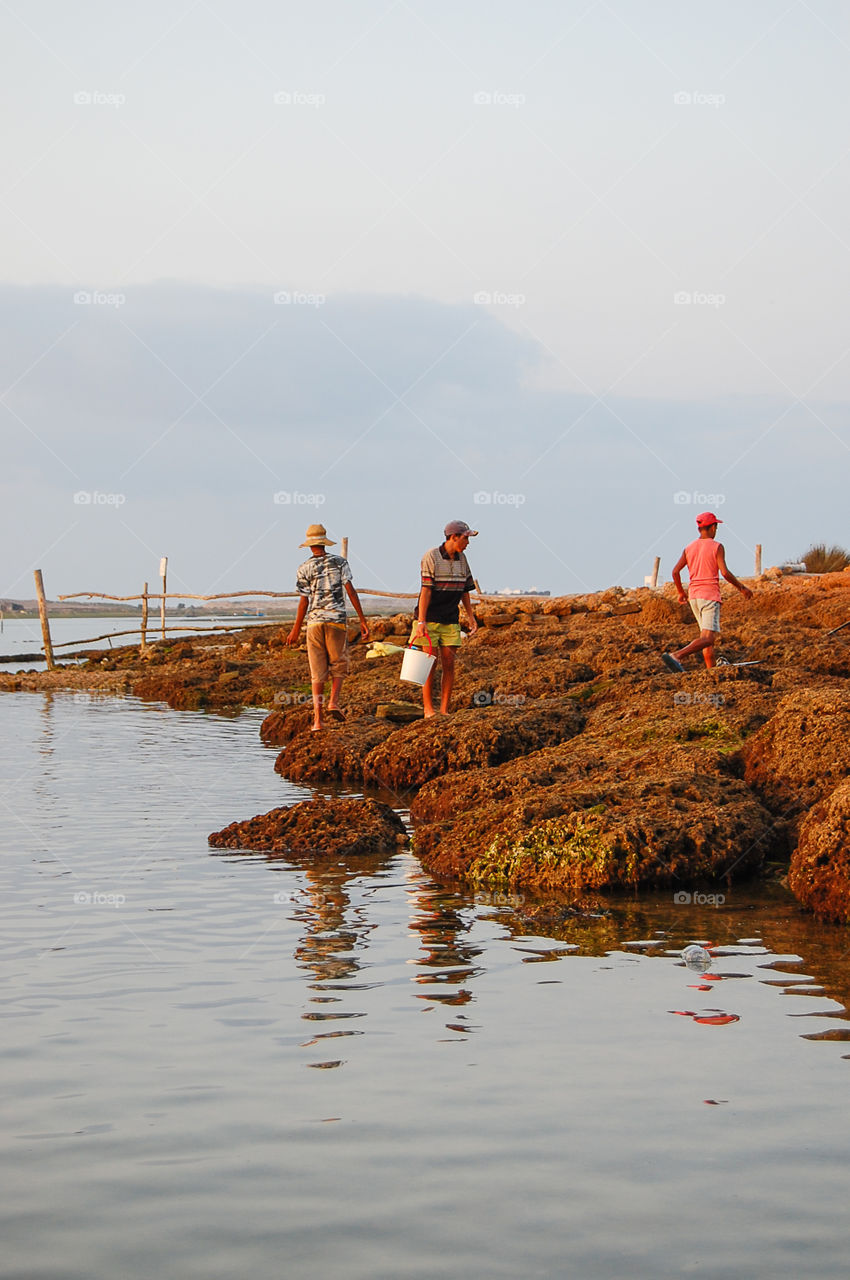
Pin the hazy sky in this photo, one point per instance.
(561, 269)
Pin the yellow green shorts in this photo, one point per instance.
(443, 634)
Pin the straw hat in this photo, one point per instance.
(317, 536)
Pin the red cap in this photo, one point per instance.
(706, 518)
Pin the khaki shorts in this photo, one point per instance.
(707, 614)
(327, 650)
(443, 634)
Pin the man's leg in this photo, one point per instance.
(704, 644)
(317, 657)
(447, 658)
(333, 700)
(336, 644)
(318, 687)
(428, 695)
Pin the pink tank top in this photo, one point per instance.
(703, 574)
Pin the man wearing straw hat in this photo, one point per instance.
(323, 581)
(446, 584)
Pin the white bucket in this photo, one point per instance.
(416, 665)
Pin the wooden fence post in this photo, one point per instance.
(45, 621)
(163, 569)
(144, 644)
(654, 577)
(343, 546)
(758, 559)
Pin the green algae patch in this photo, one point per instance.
(565, 852)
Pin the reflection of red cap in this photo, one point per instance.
(707, 518)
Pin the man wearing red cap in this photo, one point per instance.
(705, 560)
(446, 584)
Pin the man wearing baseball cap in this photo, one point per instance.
(446, 584)
(705, 560)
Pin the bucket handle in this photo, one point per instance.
(430, 645)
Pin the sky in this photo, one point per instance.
(572, 272)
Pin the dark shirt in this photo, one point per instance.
(448, 577)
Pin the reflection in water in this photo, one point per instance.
(657, 926)
(447, 956)
(330, 949)
(446, 923)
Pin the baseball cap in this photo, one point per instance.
(455, 528)
(706, 518)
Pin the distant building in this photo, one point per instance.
(521, 591)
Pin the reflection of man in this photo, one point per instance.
(446, 584)
(705, 560)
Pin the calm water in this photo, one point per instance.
(228, 1066)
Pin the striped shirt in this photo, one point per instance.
(448, 579)
(322, 579)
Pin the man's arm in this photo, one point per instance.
(422, 610)
(729, 575)
(677, 577)
(355, 600)
(472, 626)
(292, 638)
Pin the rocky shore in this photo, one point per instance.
(573, 760)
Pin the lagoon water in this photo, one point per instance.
(225, 1065)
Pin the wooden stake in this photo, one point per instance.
(45, 621)
(344, 547)
(143, 647)
(655, 567)
(163, 569)
(758, 559)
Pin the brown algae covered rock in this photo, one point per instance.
(673, 822)
(803, 751)
(330, 828)
(339, 752)
(820, 865)
(481, 736)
